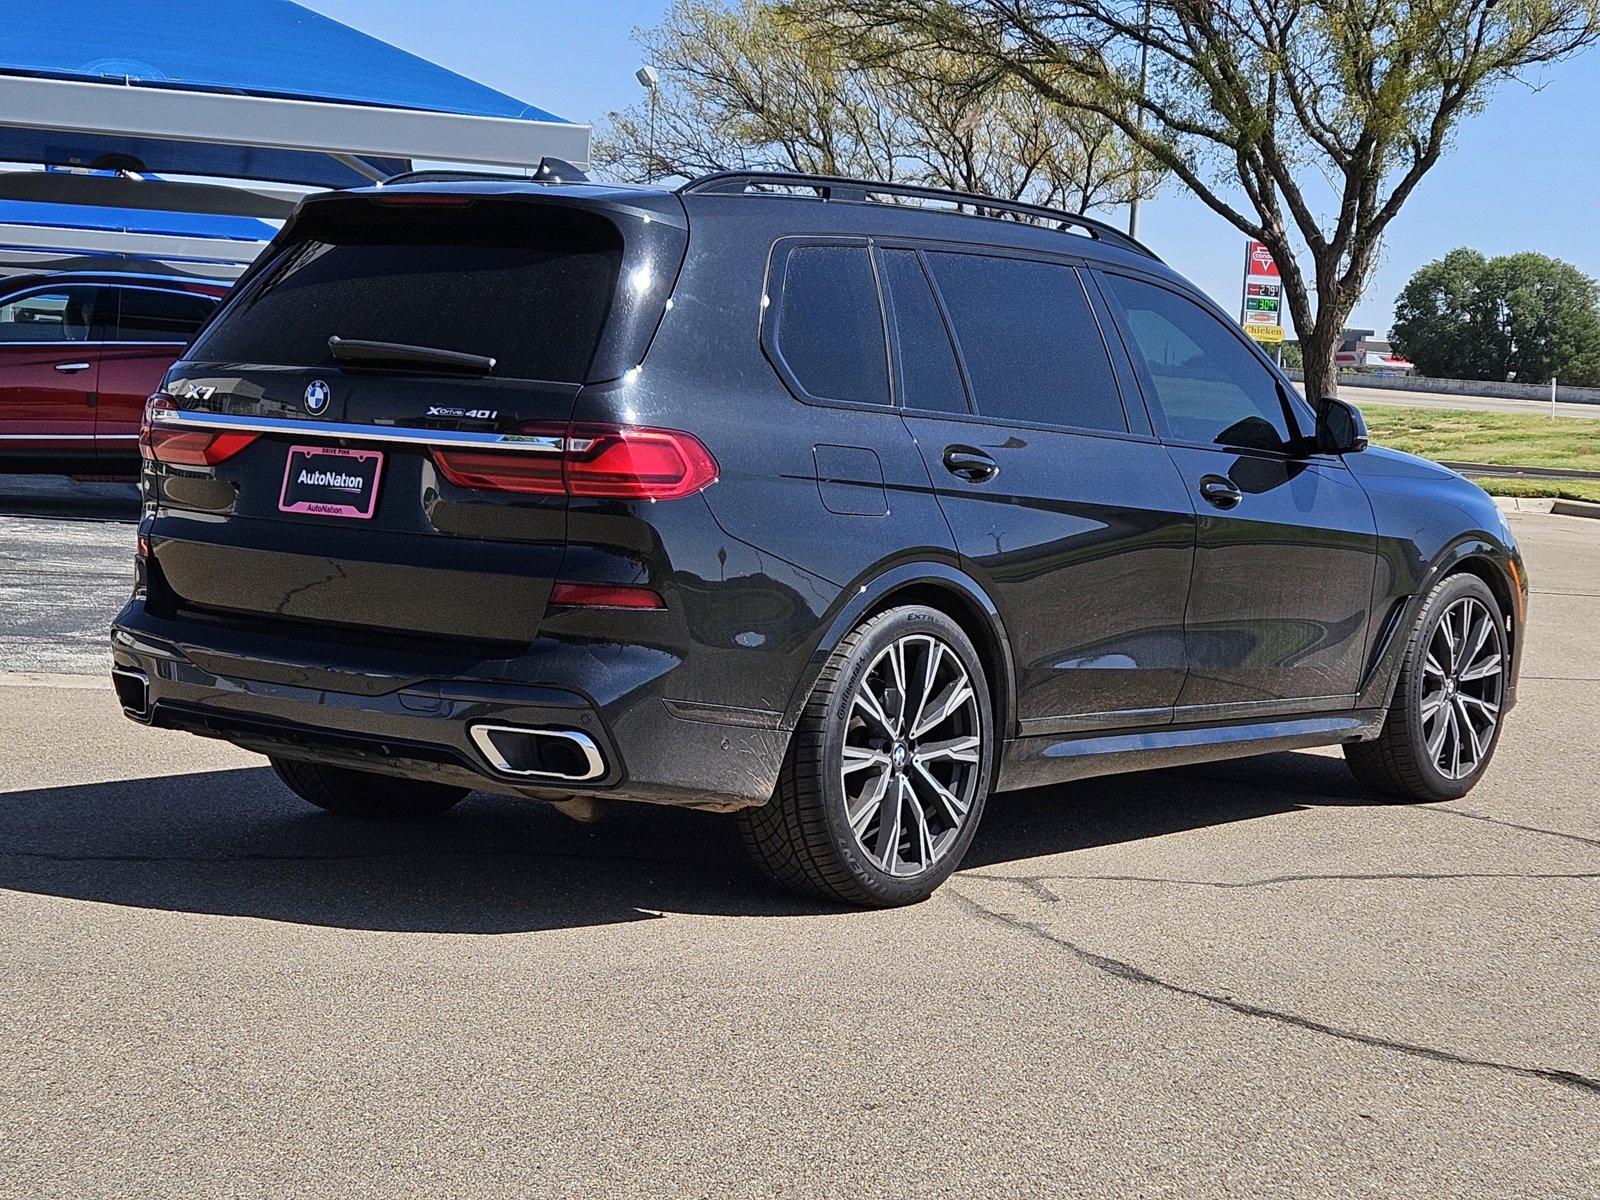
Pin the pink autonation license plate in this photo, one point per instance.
(331, 482)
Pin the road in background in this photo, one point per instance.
(1239, 979)
(1533, 408)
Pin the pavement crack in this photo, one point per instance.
(1472, 816)
(1039, 883)
(1137, 975)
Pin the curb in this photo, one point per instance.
(1575, 508)
(1534, 504)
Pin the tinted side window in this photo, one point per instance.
(1030, 341)
(54, 315)
(829, 329)
(926, 362)
(145, 315)
(1208, 386)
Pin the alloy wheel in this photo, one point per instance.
(1463, 679)
(912, 755)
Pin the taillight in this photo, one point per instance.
(186, 447)
(620, 462)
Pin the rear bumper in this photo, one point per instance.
(263, 694)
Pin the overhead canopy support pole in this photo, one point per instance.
(125, 110)
(48, 241)
(115, 191)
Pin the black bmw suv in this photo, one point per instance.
(839, 505)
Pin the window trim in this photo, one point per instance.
(771, 294)
(1301, 446)
(895, 350)
(1066, 262)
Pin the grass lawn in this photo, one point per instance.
(1563, 489)
(1500, 439)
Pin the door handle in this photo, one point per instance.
(974, 466)
(1223, 493)
(69, 368)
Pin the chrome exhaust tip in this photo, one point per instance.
(562, 754)
(133, 691)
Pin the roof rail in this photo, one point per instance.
(550, 170)
(861, 191)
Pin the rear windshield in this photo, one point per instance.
(528, 285)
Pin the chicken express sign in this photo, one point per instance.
(1261, 312)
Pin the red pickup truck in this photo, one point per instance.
(79, 354)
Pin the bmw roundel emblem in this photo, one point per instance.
(317, 396)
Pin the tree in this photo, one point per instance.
(1265, 109)
(756, 87)
(1523, 316)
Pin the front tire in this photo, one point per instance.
(888, 769)
(365, 794)
(1444, 721)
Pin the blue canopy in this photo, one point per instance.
(134, 220)
(251, 49)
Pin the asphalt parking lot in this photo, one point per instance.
(1247, 979)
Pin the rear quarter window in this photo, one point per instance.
(827, 329)
(530, 286)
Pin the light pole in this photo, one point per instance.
(1144, 75)
(650, 79)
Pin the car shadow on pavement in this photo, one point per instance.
(237, 843)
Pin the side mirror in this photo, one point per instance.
(1340, 427)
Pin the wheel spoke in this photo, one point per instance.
(1464, 723)
(1488, 709)
(888, 853)
(897, 665)
(869, 704)
(953, 806)
(1430, 666)
(1479, 634)
(930, 672)
(919, 822)
(868, 806)
(1483, 668)
(949, 703)
(961, 749)
(1431, 704)
(1453, 742)
(1436, 739)
(1447, 628)
(859, 758)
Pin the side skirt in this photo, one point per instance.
(1037, 761)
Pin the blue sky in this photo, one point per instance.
(1522, 176)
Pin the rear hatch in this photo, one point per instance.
(320, 457)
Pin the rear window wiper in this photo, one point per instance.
(398, 354)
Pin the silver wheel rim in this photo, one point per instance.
(912, 755)
(1462, 680)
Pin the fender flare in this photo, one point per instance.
(867, 593)
(1385, 672)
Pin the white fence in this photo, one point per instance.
(1463, 387)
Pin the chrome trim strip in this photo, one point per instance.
(522, 442)
(595, 763)
(50, 437)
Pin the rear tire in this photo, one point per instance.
(888, 770)
(366, 794)
(1445, 719)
